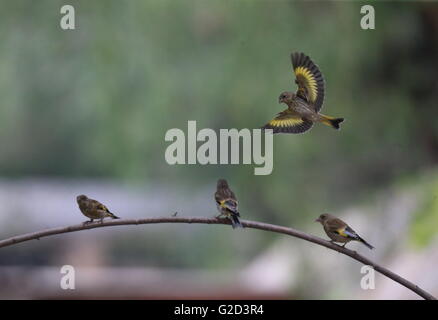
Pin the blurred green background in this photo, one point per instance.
(86, 111)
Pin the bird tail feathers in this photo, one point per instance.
(235, 221)
(365, 243)
(332, 122)
(112, 215)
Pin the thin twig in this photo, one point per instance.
(248, 224)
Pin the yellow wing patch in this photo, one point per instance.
(341, 232)
(288, 121)
(291, 122)
(102, 207)
(309, 79)
(306, 80)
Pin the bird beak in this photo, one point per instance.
(280, 100)
(318, 220)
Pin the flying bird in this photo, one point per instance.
(227, 204)
(93, 209)
(304, 105)
(339, 231)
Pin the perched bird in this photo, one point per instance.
(93, 209)
(303, 106)
(339, 231)
(227, 203)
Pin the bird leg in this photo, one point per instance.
(88, 221)
(331, 241)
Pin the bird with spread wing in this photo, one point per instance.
(304, 105)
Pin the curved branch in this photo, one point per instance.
(248, 224)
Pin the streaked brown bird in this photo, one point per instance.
(339, 231)
(303, 106)
(227, 204)
(93, 209)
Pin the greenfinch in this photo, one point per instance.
(227, 204)
(339, 231)
(304, 105)
(93, 209)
